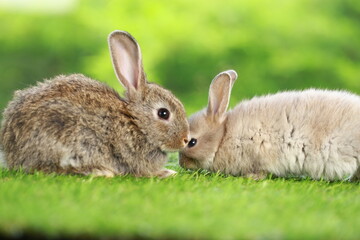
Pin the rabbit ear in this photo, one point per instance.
(127, 61)
(233, 76)
(219, 94)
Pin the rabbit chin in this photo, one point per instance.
(194, 164)
(186, 162)
(171, 148)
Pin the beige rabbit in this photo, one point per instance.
(73, 124)
(314, 133)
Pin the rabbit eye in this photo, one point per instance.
(163, 113)
(192, 142)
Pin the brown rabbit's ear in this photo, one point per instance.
(127, 61)
(219, 94)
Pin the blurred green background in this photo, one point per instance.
(273, 45)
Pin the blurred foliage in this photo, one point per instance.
(273, 45)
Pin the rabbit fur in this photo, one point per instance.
(313, 133)
(77, 125)
(2, 160)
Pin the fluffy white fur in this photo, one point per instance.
(313, 133)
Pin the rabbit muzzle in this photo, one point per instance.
(176, 142)
(174, 147)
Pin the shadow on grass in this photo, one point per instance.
(32, 234)
(183, 173)
(291, 178)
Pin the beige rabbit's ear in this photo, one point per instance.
(219, 94)
(233, 75)
(127, 60)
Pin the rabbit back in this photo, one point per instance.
(314, 133)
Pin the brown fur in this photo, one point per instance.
(73, 124)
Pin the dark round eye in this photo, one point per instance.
(192, 142)
(163, 113)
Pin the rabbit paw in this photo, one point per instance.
(102, 173)
(256, 176)
(164, 173)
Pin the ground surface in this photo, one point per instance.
(190, 205)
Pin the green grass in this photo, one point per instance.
(190, 205)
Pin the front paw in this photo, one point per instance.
(102, 173)
(164, 173)
(256, 176)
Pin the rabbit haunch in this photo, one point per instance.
(73, 124)
(313, 133)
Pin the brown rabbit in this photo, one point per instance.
(73, 124)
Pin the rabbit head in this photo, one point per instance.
(157, 112)
(207, 127)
